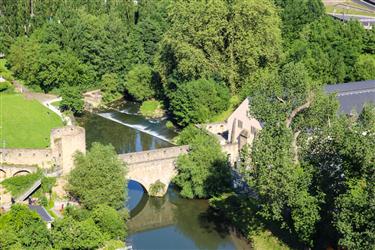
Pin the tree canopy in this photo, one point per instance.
(98, 178)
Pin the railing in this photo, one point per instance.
(29, 191)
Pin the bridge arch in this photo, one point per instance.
(21, 172)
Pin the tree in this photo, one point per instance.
(355, 216)
(292, 107)
(197, 101)
(218, 39)
(139, 82)
(204, 171)
(68, 233)
(24, 228)
(329, 49)
(296, 14)
(72, 100)
(109, 222)
(98, 178)
(365, 67)
(111, 85)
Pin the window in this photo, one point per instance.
(253, 130)
(240, 124)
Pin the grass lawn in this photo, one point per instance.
(152, 108)
(19, 184)
(25, 123)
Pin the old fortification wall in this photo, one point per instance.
(41, 157)
(64, 143)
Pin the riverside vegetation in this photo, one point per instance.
(313, 171)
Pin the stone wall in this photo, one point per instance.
(64, 143)
(41, 157)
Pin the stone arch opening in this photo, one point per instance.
(2, 174)
(21, 172)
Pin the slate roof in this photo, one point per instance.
(353, 95)
(43, 213)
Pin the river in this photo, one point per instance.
(170, 222)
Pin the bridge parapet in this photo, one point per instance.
(154, 155)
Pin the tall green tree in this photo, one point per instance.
(98, 178)
(204, 171)
(292, 107)
(219, 39)
(139, 82)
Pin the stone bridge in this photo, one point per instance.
(147, 167)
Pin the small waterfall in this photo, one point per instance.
(154, 128)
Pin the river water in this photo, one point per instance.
(170, 222)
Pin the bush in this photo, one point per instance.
(4, 86)
(156, 188)
(197, 101)
(169, 125)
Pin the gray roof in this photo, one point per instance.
(353, 95)
(43, 213)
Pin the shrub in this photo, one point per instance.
(156, 188)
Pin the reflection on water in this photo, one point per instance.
(172, 222)
(156, 223)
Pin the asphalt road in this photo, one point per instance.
(367, 5)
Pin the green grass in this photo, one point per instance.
(233, 103)
(19, 184)
(25, 123)
(152, 108)
(265, 240)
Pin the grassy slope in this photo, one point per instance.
(25, 123)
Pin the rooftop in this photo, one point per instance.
(353, 95)
(43, 213)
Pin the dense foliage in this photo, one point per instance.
(98, 178)
(312, 170)
(204, 171)
(197, 101)
(134, 48)
(22, 228)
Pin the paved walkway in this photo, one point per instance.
(48, 103)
